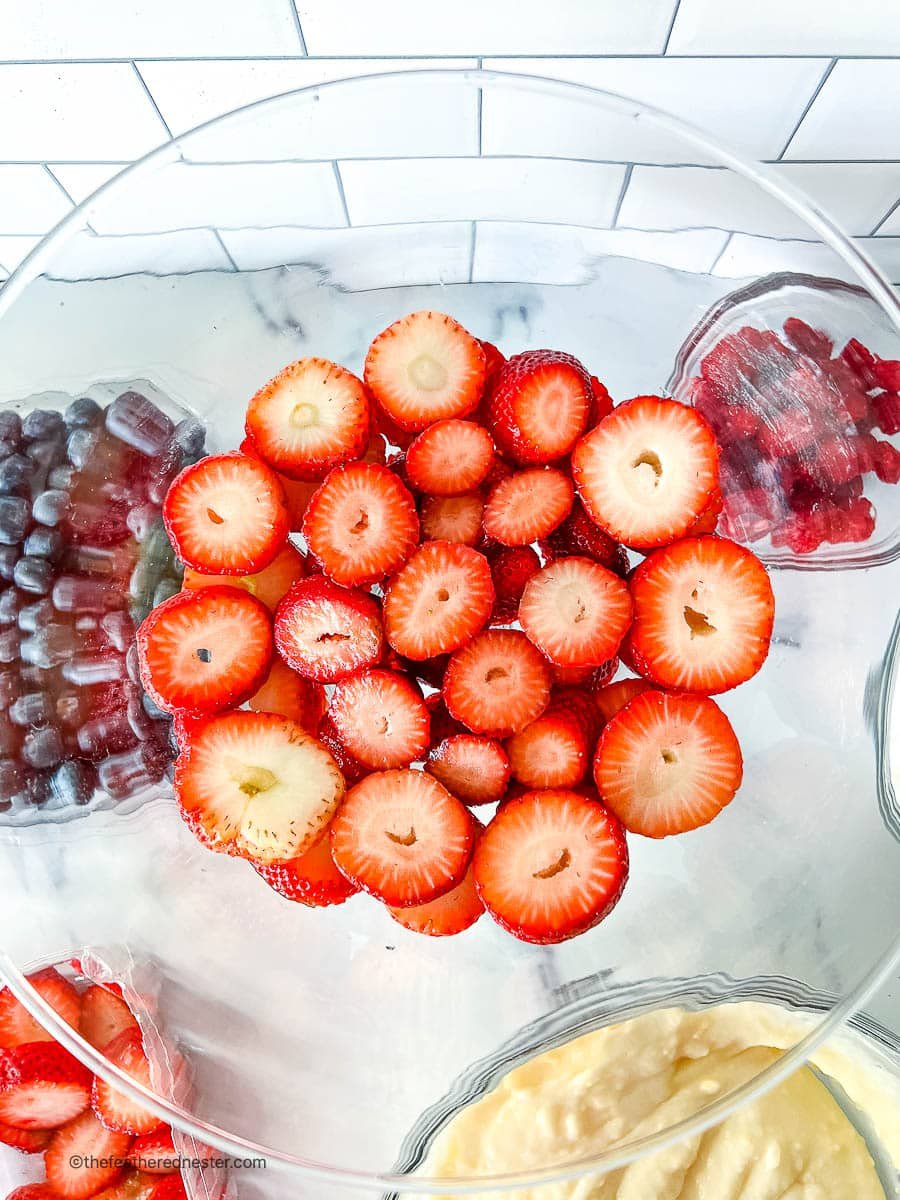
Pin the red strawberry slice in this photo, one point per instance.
(709, 517)
(613, 698)
(155, 1152)
(33, 1191)
(18, 1026)
(226, 515)
(556, 750)
(268, 585)
(453, 518)
(361, 524)
(579, 535)
(449, 458)
(402, 837)
(83, 1157)
(113, 1108)
(376, 450)
(438, 601)
(497, 684)
(311, 417)
(647, 471)
(592, 678)
(104, 1015)
(475, 769)
(205, 650)
(298, 493)
(452, 913)
(703, 614)
(495, 360)
(667, 763)
(539, 406)
(29, 1141)
(169, 1187)
(289, 694)
(313, 879)
(551, 865)
(528, 505)
(601, 402)
(326, 631)
(351, 768)
(576, 612)
(381, 719)
(41, 1086)
(511, 568)
(425, 368)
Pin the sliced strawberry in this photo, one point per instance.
(395, 437)
(614, 696)
(539, 406)
(104, 1015)
(361, 524)
(709, 518)
(452, 913)
(511, 568)
(551, 865)
(351, 768)
(527, 506)
(592, 678)
(113, 1108)
(453, 518)
(647, 471)
(497, 684)
(298, 493)
(33, 1191)
(226, 515)
(601, 402)
(41, 1086)
(133, 1185)
(313, 879)
(290, 694)
(170, 1187)
(556, 749)
(29, 1141)
(495, 360)
(268, 585)
(443, 725)
(450, 458)
(579, 535)
(326, 631)
(425, 368)
(475, 769)
(18, 1026)
(84, 1156)
(205, 650)
(576, 612)
(438, 600)
(376, 450)
(667, 763)
(311, 417)
(154, 1152)
(703, 614)
(258, 785)
(402, 837)
(381, 719)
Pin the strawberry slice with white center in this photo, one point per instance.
(667, 763)
(576, 612)
(18, 1026)
(312, 879)
(83, 1157)
(257, 785)
(402, 837)
(205, 650)
(311, 417)
(29, 1141)
(268, 585)
(381, 719)
(155, 1152)
(326, 631)
(475, 769)
(449, 458)
(647, 471)
(453, 518)
(425, 368)
(556, 750)
(104, 1015)
(539, 406)
(452, 913)
(438, 600)
(703, 615)
(42, 1086)
(551, 865)
(497, 684)
(614, 696)
(113, 1108)
(290, 694)
(528, 505)
(351, 768)
(227, 515)
(361, 524)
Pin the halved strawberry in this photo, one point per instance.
(226, 515)
(155, 1152)
(453, 518)
(268, 585)
(556, 750)
(667, 763)
(511, 568)
(258, 785)
(290, 694)
(576, 612)
(33, 1191)
(425, 368)
(601, 402)
(312, 879)
(452, 913)
(206, 650)
(647, 471)
(361, 524)
(326, 631)
(528, 505)
(591, 678)
(402, 837)
(475, 769)
(551, 865)
(29, 1141)
(708, 520)
(450, 458)
(41, 1086)
(579, 535)
(104, 1015)
(113, 1108)
(84, 1157)
(376, 450)
(18, 1026)
(351, 768)
(614, 696)
(311, 417)
(171, 1187)
(381, 719)
(495, 360)
(497, 684)
(298, 493)
(438, 600)
(539, 406)
(703, 615)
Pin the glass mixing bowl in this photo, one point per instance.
(537, 213)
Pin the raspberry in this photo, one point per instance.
(886, 411)
(748, 515)
(887, 373)
(887, 462)
(861, 361)
(837, 460)
(806, 340)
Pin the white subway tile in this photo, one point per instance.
(82, 179)
(891, 225)
(14, 249)
(885, 251)
(855, 114)
(86, 256)
(856, 195)
(30, 202)
(749, 257)
(774, 27)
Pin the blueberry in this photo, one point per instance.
(70, 709)
(35, 616)
(15, 473)
(9, 645)
(9, 686)
(152, 709)
(45, 456)
(33, 575)
(85, 669)
(121, 775)
(81, 445)
(35, 791)
(12, 780)
(10, 740)
(43, 748)
(118, 628)
(10, 431)
(76, 594)
(107, 734)
(34, 708)
(10, 602)
(82, 413)
(15, 518)
(45, 543)
(141, 520)
(132, 664)
(61, 478)
(43, 423)
(137, 422)
(50, 507)
(50, 646)
(73, 783)
(165, 590)
(190, 437)
(9, 556)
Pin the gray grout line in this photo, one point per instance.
(142, 81)
(611, 162)
(718, 257)
(437, 54)
(343, 195)
(472, 239)
(810, 102)
(64, 191)
(669, 31)
(296, 15)
(479, 111)
(626, 179)
(890, 212)
(217, 235)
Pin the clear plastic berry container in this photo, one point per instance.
(304, 225)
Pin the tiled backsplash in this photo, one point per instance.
(86, 88)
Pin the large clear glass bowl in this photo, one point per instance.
(536, 213)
